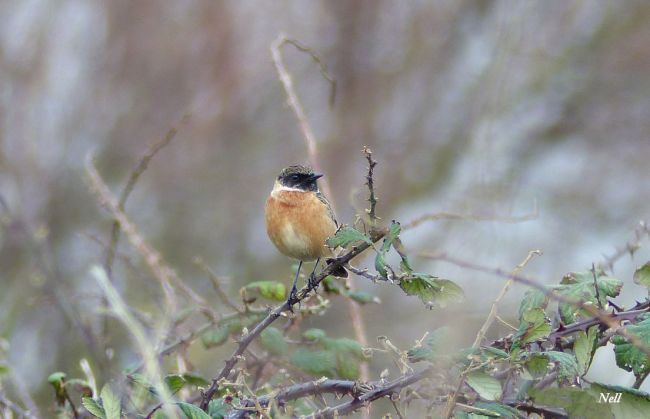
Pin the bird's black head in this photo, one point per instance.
(299, 177)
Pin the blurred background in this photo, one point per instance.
(497, 109)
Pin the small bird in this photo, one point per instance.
(299, 219)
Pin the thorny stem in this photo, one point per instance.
(372, 199)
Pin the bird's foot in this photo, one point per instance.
(311, 281)
(293, 298)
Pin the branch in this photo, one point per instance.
(153, 259)
(471, 217)
(603, 316)
(367, 398)
(630, 247)
(128, 188)
(274, 314)
(362, 393)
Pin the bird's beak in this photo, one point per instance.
(316, 176)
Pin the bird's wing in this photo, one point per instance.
(330, 211)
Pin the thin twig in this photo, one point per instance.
(642, 231)
(596, 287)
(216, 284)
(153, 259)
(128, 188)
(470, 217)
(449, 409)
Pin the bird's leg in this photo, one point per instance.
(310, 280)
(294, 290)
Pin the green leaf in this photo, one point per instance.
(4, 369)
(314, 334)
(496, 351)
(273, 341)
(567, 363)
(195, 380)
(584, 347)
(580, 286)
(175, 382)
(533, 299)
(215, 337)
(316, 363)
(57, 380)
(504, 411)
(642, 275)
(218, 409)
(346, 236)
(537, 364)
(380, 265)
(578, 403)
(633, 403)
(271, 290)
(430, 348)
(93, 407)
(330, 285)
(393, 232)
(345, 345)
(449, 292)
(110, 403)
(363, 297)
(628, 356)
(192, 412)
(347, 367)
(485, 385)
(534, 326)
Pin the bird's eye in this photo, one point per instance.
(294, 177)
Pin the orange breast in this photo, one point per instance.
(298, 223)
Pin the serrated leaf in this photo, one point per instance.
(215, 337)
(314, 334)
(380, 265)
(273, 341)
(633, 403)
(271, 290)
(534, 326)
(578, 403)
(347, 367)
(195, 380)
(93, 407)
(174, 382)
(642, 275)
(504, 411)
(537, 365)
(485, 385)
(449, 292)
(316, 363)
(628, 356)
(584, 347)
(346, 236)
(430, 348)
(192, 412)
(533, 299)
(567, 363)
(111, 403)
(393, 232)
(363, 297)
(218, 409)
(581, 286)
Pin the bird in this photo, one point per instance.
(299, 219)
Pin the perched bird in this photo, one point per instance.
(299, 219)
